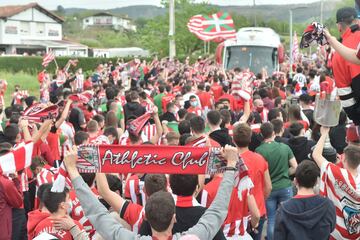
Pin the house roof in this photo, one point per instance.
(108, 14)
(11, 10)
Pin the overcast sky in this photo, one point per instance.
(106, 4)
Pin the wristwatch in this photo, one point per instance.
(230, 169)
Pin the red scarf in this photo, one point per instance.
(185, 201)
(38, 113)
(17, 159)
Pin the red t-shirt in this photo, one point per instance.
(133, 214)
(257, 166)
(166, 99)
(77, 212)
(205, 99)
(345, 71)
(217, 91)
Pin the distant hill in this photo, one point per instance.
(278, 12)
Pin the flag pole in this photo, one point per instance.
(57, 66)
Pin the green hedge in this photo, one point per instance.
(32, 65)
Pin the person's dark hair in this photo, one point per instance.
(159, 210)
(187, 88)
(30, 100)
(99, 118)
(8, 111)
(263, 93)
(14, 119)
(352, 156)
(154, 183)
(133, 96)
(42, 188)
(190, 116)
(88, 178)
(111, 93)
(267, 130)
(37, 161)
(169, 106)
(277, 125)
(192, 97)
(161, 88)
(277, 101)
(299, 69)
(183, 185)
(225, 117)
(114, 183)
(197, 124)
(225, 89)
(52, 200)
(183, 138)
(294, 112)
(214, 117)
(80, 137)
(10, 132)
(168, 88)
(307, 173)
(295, 129)
(5, 148)
(201, 86)
(305, 98)
(273, 114)
(184, 127)
(111, 131)
(182, 112)
(242, 135)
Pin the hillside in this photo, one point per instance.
(278, 12)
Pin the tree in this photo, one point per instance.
(60, 10)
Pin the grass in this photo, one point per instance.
(26, 82)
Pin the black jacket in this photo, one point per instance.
(305, 218)
(222, 137)
(133, 109)
(168, 116)
(186, 217)
(301, 147)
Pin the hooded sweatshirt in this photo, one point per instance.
(305, 218)
(133, 109)
(301, 147)
(222, 137)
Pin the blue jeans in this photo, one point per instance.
(275, 198)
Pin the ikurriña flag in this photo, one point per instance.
(216, 27)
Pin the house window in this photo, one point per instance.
(53, 33)
(25, 28)
(40, 29)
(86, 20)
(11, 30)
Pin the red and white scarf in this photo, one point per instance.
(38, 113)
(17, 159)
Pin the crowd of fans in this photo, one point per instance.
(305, 176)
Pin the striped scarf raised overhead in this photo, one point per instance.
(17, 159)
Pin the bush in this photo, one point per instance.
(32, 65)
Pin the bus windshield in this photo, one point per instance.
(253, 57)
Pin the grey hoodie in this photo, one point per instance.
(207, 227)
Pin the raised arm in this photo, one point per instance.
(64, 114)
(317, 153)
(347, 53)
(159, 130)
(98, 215)
(112, 198)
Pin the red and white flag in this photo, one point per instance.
(17, 159)
(216, 27)
(295, 50)
(48, 58)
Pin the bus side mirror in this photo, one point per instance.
(281, 53)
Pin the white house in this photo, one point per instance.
(32, 29)
(105, 19)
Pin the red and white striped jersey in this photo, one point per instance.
(342, 189)
(237, 218)
(133, 214)
(134, 190)
(197, 111)
(77, 212)
(264, 115)
(79, 82)
(46, 175)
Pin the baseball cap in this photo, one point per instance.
(352, 134)
(346, 13)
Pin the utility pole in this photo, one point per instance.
(172, 44)
(255, 20)
(321, 11)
